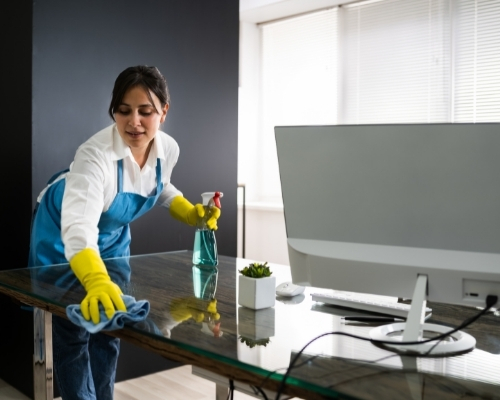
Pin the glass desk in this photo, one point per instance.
(254, 348)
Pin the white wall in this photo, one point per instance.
(265, 234)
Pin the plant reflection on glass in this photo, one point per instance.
(252, 343)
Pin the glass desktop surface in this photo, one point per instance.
(262, 343)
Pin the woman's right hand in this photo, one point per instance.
(91, 272)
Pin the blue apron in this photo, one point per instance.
(46, 246)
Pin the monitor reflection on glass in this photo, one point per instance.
(369, 208)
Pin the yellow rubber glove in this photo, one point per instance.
(182, 210)
(214, 216)
(92, 274)
(184, 308)
(212, 309)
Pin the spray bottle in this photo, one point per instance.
(205, 246)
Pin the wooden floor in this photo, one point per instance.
(173, 384)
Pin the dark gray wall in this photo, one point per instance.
(78, 50)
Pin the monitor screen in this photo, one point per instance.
(370, 207)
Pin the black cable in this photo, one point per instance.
(279, 369)
(490, 302)
(258, 390)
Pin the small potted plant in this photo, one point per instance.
(256, 286)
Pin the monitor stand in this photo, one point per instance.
(414, 329)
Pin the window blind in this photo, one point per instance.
(396, 61)
(477, 61)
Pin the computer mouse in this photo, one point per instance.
(291, 300)
(289, 289)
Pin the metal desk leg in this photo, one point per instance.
(42, 359)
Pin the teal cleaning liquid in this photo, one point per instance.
(204, 281)
(205, 248)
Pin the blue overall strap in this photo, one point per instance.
(119, 172)
(159, 187)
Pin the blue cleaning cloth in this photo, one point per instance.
(136, 311)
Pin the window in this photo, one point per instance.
(298, 84)
(397, 58)
(477, 61)
(376, 61)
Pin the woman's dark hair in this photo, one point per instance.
(149, 78)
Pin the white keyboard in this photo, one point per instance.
(366, 303)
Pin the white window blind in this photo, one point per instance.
(396, 62)
(298, 83)
(477, 61)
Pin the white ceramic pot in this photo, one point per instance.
(256, 293)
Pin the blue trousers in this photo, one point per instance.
(84, 363)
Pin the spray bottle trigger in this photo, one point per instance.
(216, 199)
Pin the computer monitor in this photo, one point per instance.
(371, 208)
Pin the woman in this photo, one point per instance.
(83, 216)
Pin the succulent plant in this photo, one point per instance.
(256, 270)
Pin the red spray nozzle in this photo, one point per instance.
(216, 199)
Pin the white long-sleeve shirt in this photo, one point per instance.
(91, 183)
